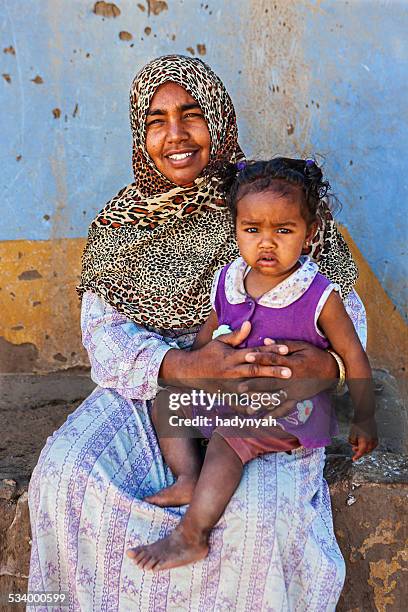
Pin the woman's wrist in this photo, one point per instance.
(177, 366)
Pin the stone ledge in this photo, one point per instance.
(370, 509)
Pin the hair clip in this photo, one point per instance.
(241, 165)
(309, 162)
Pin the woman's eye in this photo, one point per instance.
(154, 122)
(194, 115)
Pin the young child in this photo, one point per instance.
(283, 295)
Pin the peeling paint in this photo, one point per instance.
(29, 275)
(48, 307)
(106, 9)
(125, 35)
(56, 112)
(17, 357)
(6, 77)
(201, 48)
(386, 326)
(10, 50)
(156, 6)
(383, 579)
(37, 80)
(190, 50)
(148, 30)
(384, 534)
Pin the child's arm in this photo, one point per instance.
(204, 336)
(339, 330)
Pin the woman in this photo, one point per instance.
(147, 270)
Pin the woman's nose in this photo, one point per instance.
(176, 131)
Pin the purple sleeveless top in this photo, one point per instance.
(312, 421)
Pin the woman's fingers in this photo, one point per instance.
(267, 359)
(255, 370)
(268, 349)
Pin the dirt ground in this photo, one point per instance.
(31, 409)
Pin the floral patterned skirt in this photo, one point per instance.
(273, 549)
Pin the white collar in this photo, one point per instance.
(284, 294)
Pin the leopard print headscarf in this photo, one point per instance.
(154, 248)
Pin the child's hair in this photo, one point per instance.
(282, 175)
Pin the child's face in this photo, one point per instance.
(271, 232)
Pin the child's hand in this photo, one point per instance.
(363, 438)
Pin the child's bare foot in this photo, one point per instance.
(178, 494)
(175, 550)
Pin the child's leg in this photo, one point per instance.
(181, 454)
(220, 476)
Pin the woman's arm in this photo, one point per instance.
(123, 356)
(134, 361)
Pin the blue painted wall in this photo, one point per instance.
(359, 54)
(340, 67)
(70, 166)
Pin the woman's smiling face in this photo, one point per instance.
(177, 136)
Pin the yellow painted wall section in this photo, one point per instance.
(40, 326)
(40, 310)
(387, 330)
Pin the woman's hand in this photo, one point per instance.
(299, 368)
(303, 359)
(220, 361)
(312, 369)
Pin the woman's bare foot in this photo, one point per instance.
(178, 494)
(175, 550)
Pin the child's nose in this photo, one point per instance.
(268, 239)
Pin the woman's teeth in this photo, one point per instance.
(177, 156)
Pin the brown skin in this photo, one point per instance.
(175, 124)
(338, 328)
(271, 233)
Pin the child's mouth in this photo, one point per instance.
(267, 261)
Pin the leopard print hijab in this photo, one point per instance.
(154, 248)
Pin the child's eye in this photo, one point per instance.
(251, 230)
(283, 230)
